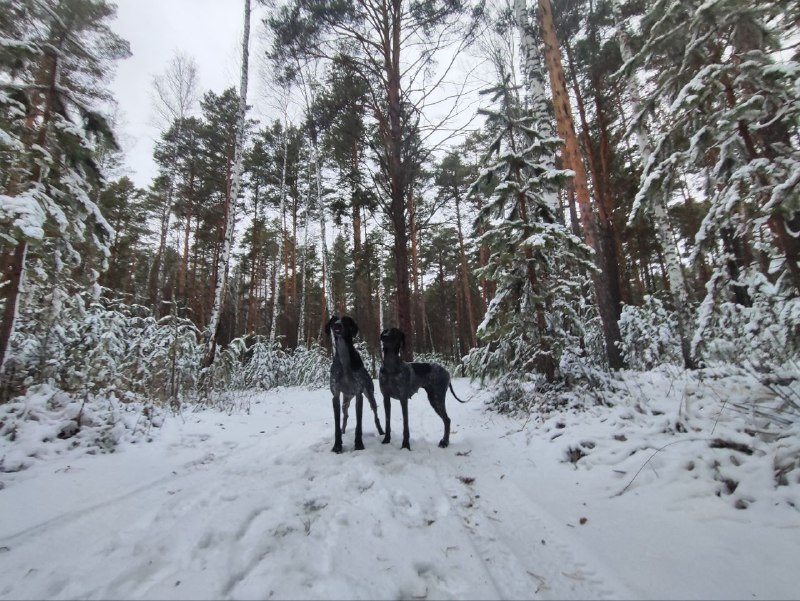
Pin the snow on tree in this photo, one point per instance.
(656, 206)
(221, 286)
(540, 268)
(54, 57)
(726, 104)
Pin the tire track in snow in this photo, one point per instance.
(527, 553)
(187, 495)
(507, 572)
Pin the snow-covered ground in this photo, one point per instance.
(252, 504)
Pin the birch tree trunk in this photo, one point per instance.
(212, 330)
(323, 233)
(301, 319)
(658, 216)
(275, 286)
(535, 86)
(327, 290)
(380, 290)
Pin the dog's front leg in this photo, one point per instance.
(359, 408)
(404, 406)
(387, 410)
(345, 410)
(337, 441)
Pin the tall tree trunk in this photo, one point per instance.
(358, 264)
(373, 333)
(255, 251)
(286, 290)
(301, 306)
(466, 289)
(291, 309)
(487, 286)
(418, 300)
(393, 139)
(13, 269)
(175, 92)
(184, 264)
(212, 330)
(327, 285)
(281, 234)
(361, 304)
(12, 264)
(301, 318)
(612, 246)
(381, 292)
(194, 290)
(573, 160)
(156, 274)
(659, 217)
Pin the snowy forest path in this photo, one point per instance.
(254, 505)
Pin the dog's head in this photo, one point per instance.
(343, 326)
(393, 341)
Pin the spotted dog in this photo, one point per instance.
(400, 380)
(349, 378)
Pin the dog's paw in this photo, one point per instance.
(359, 445)
(443, 444)
(386, 439)
(337, 448)
(406, 445)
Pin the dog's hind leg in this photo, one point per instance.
(437, 402)
(337, 441)
(404, 406)
(446, 420)
(387, 410)
(374, 406)
(359, 409)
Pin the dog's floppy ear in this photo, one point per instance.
(351, 325)
(384, 333)
(329, 324)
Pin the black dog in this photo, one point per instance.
(401, 380)
(350, 378)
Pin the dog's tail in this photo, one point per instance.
(454, 393)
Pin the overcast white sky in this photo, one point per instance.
(209, 31)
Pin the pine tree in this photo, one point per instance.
(122, 205)
(176, 94)
(452, 179)
(539, 267)
(54, 57)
